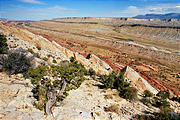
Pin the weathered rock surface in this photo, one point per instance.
(137, 81)
(16, 100)
(89, 102)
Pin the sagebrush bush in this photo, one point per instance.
(15, 63)
(3, 44)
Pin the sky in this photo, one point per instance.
(49, 9)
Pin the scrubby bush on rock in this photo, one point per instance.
(91, 72)
(15, 62)
(129, 93)
(116, 81)
(52, 83)
(30, 50)
(147, 97)
(164, 114)
(3, 44)
(147, 93)
(38, 47)
(54, 61)
(159, 100)
(45, 59)
(164, 94)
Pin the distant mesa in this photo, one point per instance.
(159, 16)
(3, 19)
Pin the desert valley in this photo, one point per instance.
(89, 68)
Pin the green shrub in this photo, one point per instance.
(39, 48)
(146, 102)
(159, 102)
(39, 106)
(147, 93)
(37, 73)
(72, 59)
(129, 93)
(54, 61)
(92, 72)
(164, 114)
(45, 59)
(113, 108)
(3, 44)
(164, 94)
(70, 73)
(15, 63)
(109, 81)
(30, 50)
(115, 81)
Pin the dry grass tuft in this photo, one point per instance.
(113, 108)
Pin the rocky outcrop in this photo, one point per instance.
(91, 61)
(89, 102)
(99, 65)
(16, 99)
(137, 81)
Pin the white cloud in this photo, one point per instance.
(153, 9)
(32, 1)
(163, 8)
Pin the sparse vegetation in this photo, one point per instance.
(113, 108)
(91, 72)
(45, 59)
(30, 50)
(163, 94)
(54, 61)
(39, 48)
(164, 114)
(115, 81)
(3, 44)
(15, 63)
(147, 93)
(129, 93)
(37, 55)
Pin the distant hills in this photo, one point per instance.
(4, 19)
(159, 16)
